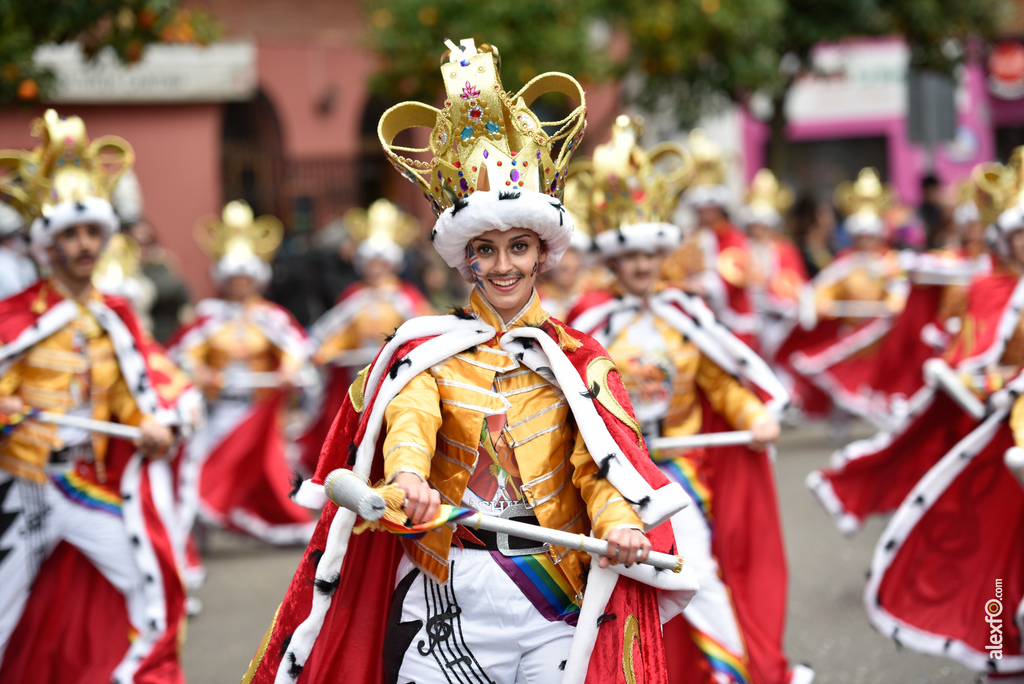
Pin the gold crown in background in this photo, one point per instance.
(236, 233)
(997, 187)
(867, 195)
(485, 138)
(576, 196)
(119, 260)
(766, 193)
(708, 162)
(65, 166)
(383, 222)
(627, 185)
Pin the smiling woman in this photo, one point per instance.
(505, 266)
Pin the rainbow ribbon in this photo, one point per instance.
(9, 422)
(445, 515)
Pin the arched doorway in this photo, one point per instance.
(252, 165)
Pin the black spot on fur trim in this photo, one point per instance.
(397, 365)
(388, 338)
(352, 448)
(591, 393)
(459, 205)
(607, 617)
(519, 357)
(294, 669)
(433, 235)
(561, 210)
(127, 496)
(991, 665)
(152, 624)
(79, 206)
(896, 639)
(135, 540)
(327, 587)
(890, 545)
(509, 195)
(919, 500)
(462, 313)
(314, 556)
(526, 342)
(149, 579)
(296, 482)
(606, 464)
(622, 237)
(285, 643)
(561, 665)
(945, 646)
(46, 221)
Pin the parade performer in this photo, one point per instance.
(677, 365)
(847, 308)
(777, 271)
(713, 261)
(874, 476)
(118, 273)
(247, 354)
(576, 272)
(89, 586)
(498, 408)
(947, 576)
(348, 337)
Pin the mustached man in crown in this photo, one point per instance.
(497, 408)
(687, 374)
(88, 577)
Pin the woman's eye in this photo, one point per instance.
(519, 247)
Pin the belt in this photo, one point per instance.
(508, 545)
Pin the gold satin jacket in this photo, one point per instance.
(44, 377)
(433, 430)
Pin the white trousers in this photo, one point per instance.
(42, 518)
(477, 627)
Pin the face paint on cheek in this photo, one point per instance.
(474, 265)
(62, 256)
(536, 268)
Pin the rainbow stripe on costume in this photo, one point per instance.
(86, 493)
(684, 471)
(721, 660)
(543, 583)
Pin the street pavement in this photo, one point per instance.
(827, 626)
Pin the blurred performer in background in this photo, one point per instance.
(846, 309)
(117, 273)
(947, 577)
(713, 262)
(247, 355)
(874, 476)
(680, 368)
(89, 587)
(348, 337)
(497, 408)
(777, 273)
(170, 305)
(575, 274)
(17, 270)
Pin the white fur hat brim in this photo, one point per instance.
(488, 210)
(377, 249)
(638, 237)
(708, 196)
(865, 224)
(581, 242)
(90, 211)
(250, 266)
(1010, 221)
(965, 214)
(759, 214)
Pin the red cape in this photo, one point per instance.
(75, 620)
(352, 637)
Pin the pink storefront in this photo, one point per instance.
(854, 114)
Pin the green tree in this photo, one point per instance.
(125, 26)
(693, 56)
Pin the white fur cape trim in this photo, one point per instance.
(341, 314)
(910, 512)
(90, 210)
(691, 317)
(450, 335)
(493, 210)
(707, 196)
(638, 237)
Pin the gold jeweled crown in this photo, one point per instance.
(708, 164)
(120, 260)
(865, 196)
(628, 188)
(382, 222)
(237, 234)
(485, 138)
(767, 194)
(998, 187)
(65, 166)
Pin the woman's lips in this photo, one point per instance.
(504, 284)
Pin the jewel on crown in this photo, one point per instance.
(485, 138)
